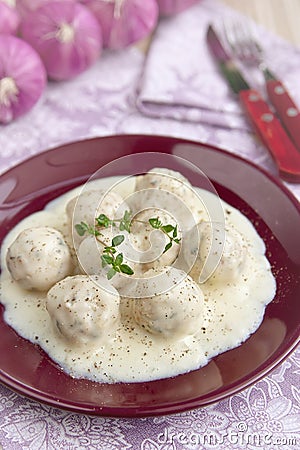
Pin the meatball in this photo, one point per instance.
(160, 178)
(142, 248)
(89, 255)
(220, 256)
(83, 309)
(176, 312)
(88, 205)
(172, 192)
(39, 258)
(149, 243)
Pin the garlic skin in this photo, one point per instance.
(22, 78)
(170, 7)
(66, 35)
(124, 22)
(9, 18)
(26, 7)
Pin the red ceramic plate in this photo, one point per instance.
(274, 212)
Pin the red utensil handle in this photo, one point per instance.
(273, 135)
(286, 109)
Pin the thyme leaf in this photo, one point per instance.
(110, 256)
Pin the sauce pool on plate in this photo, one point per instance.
(199, 287)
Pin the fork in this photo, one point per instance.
(244, 46)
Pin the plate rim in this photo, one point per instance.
(142, 411)
(272, 177)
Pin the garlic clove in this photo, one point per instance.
(9, 18)
(124, 22)
(170, 7)
(24, 80)
(66, 35)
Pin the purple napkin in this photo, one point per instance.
(182, 82)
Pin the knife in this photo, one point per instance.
(264, 121)
(285, 107)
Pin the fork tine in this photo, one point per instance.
(240, 37)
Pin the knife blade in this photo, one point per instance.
(264, 121)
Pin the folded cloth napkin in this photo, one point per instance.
(181, 81)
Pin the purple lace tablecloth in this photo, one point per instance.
(167, 92)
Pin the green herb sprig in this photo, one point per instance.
(110, 257)
(169, 230)
(82, 228)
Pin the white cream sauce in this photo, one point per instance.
(232, 311)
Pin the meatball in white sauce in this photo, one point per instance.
(83, 309)
(149, 243)
(87, 206)
(38, 258)
(172, 313)
(89, 255)
(220, 255)
(171, 191)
